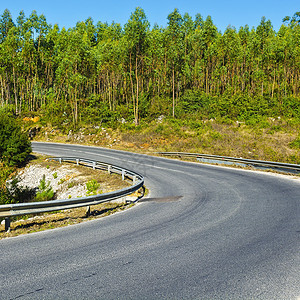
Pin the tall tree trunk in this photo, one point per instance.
(136, 113)
(15, 90)
(273, 85)
(173, 92)
(131, 83)
(206, 80)
(2, 91)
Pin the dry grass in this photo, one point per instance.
(270, 141)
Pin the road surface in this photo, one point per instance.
(205, 232)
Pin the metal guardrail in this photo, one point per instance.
(282, 167)
(9, 210)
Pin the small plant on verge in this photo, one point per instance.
(45, 192)
(92, 186)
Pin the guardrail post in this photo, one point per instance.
(123, 174)
(133, 180)
(59, 160)
(7, 224)
(77, 161)
(88, 211)
(109, 169)
(94, 165)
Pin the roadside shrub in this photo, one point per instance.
(45, 192)
(14, 144)
(194, 100)
(17, 193)
(5, 173)
(10, 190)
(57, 113)
(97, 112)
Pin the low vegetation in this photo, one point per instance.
(45, 191)
(92, 187)
(263, 138)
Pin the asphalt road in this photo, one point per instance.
(206, 232)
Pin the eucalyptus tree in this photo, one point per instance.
(175, 46)
(74, 65)
(6, 23)
(38, 27)
(156, 64)
(188, 27)
(209, 37)
(136, 36)
(296, 55)
(231, 58)
(51, 49)
(109, 55)
(264, 35)
(244, 38)
(295, 20)
(198, 23)
(197, 54)
(294, 61)
(11, 46)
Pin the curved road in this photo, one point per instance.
(205, 233)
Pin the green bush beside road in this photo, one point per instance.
(14, 150)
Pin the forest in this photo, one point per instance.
(96, 73)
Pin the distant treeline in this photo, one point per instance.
(94, 72)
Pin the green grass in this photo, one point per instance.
(295, 144)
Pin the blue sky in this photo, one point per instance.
(66, 13)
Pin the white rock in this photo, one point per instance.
(32, 175)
